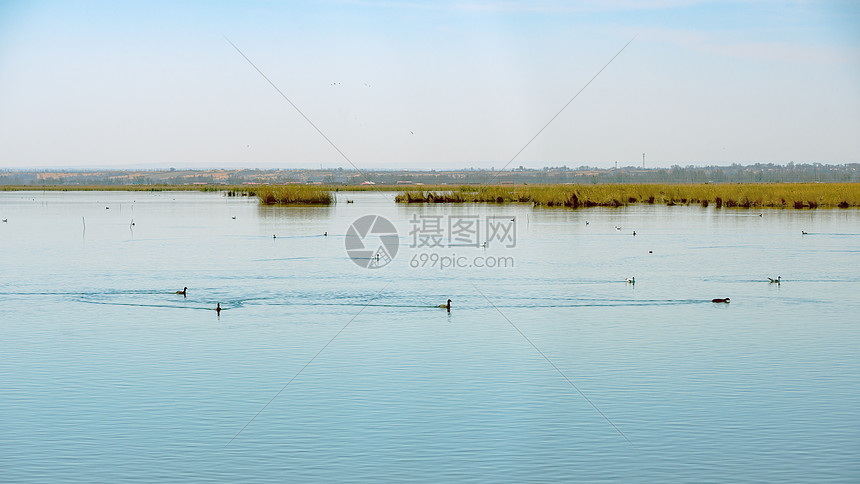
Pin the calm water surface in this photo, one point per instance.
(553, 370)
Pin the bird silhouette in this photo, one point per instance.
(446, 306)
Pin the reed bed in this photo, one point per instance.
(268, 194)
(294, 194)
(758, 195)
(739, 195)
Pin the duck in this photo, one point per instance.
(721, 300)
(184, 291)
(446, 306)
(218, 309)
(634, 233)
(5, 220)
(325, 234)
(631, 280)
(803, 232)
(777, 280)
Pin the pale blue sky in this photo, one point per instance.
(427, 84)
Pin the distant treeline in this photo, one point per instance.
(756, 173)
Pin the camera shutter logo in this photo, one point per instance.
(372, 241)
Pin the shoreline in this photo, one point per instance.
(574, 196)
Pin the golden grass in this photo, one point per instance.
(743, 195)
(268, 194)
(294, 194)
(758, 195)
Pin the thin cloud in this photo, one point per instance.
(712, 43)
(547, 6)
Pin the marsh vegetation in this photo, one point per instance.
(737, 195)
(753, 195)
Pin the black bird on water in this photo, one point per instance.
(721, 300)
(218, 309)
(183, 292)
(447, 306)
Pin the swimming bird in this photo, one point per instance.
(631, 280)
(446, 306)
(274, 236)
(617, 227)
(650, 251)
(777, 280)
(183, 292)
(634, 233)
(721, 300)
(5, 220)
(218, 309)
(234, 217)
(586, 222)
(804, 233)
(132, 223)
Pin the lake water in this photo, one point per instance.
(552, 369)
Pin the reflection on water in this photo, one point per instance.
(107, 373)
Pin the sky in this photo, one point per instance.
(379, 84)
